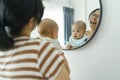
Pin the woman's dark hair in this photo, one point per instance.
(93, 12)
(14, 16)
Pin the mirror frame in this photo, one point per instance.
(101, 9)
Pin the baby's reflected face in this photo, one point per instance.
(77, 32)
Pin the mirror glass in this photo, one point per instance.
(78, 20)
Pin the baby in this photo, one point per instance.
(78, 37)
(48, 30)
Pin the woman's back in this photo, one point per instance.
(30, 59)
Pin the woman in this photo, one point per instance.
(23, 58)
(93, 21)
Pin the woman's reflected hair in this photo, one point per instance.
(93, 12)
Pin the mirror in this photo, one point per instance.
(67, 12)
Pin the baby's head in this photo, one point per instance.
(48, 28)
(78, 29)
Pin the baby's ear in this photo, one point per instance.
(55, 34)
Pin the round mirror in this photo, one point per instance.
(78, 20)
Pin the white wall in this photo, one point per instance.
(100, 58)
(58, 2)
(79, 9)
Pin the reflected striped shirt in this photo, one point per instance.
(30, 59)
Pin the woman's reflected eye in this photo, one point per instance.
(96, 15)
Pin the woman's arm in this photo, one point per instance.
(66, 64)
(63, 74)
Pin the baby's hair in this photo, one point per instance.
(80, 22)
(47, 26)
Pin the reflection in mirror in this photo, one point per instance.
(66, 12)
(78, 37)
(93, 22)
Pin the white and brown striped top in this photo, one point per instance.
(30, 59)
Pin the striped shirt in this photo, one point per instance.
(30, 59)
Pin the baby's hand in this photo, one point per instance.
(69, 46)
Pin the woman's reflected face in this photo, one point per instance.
(94, 18)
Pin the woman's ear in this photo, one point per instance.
(32, 23)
